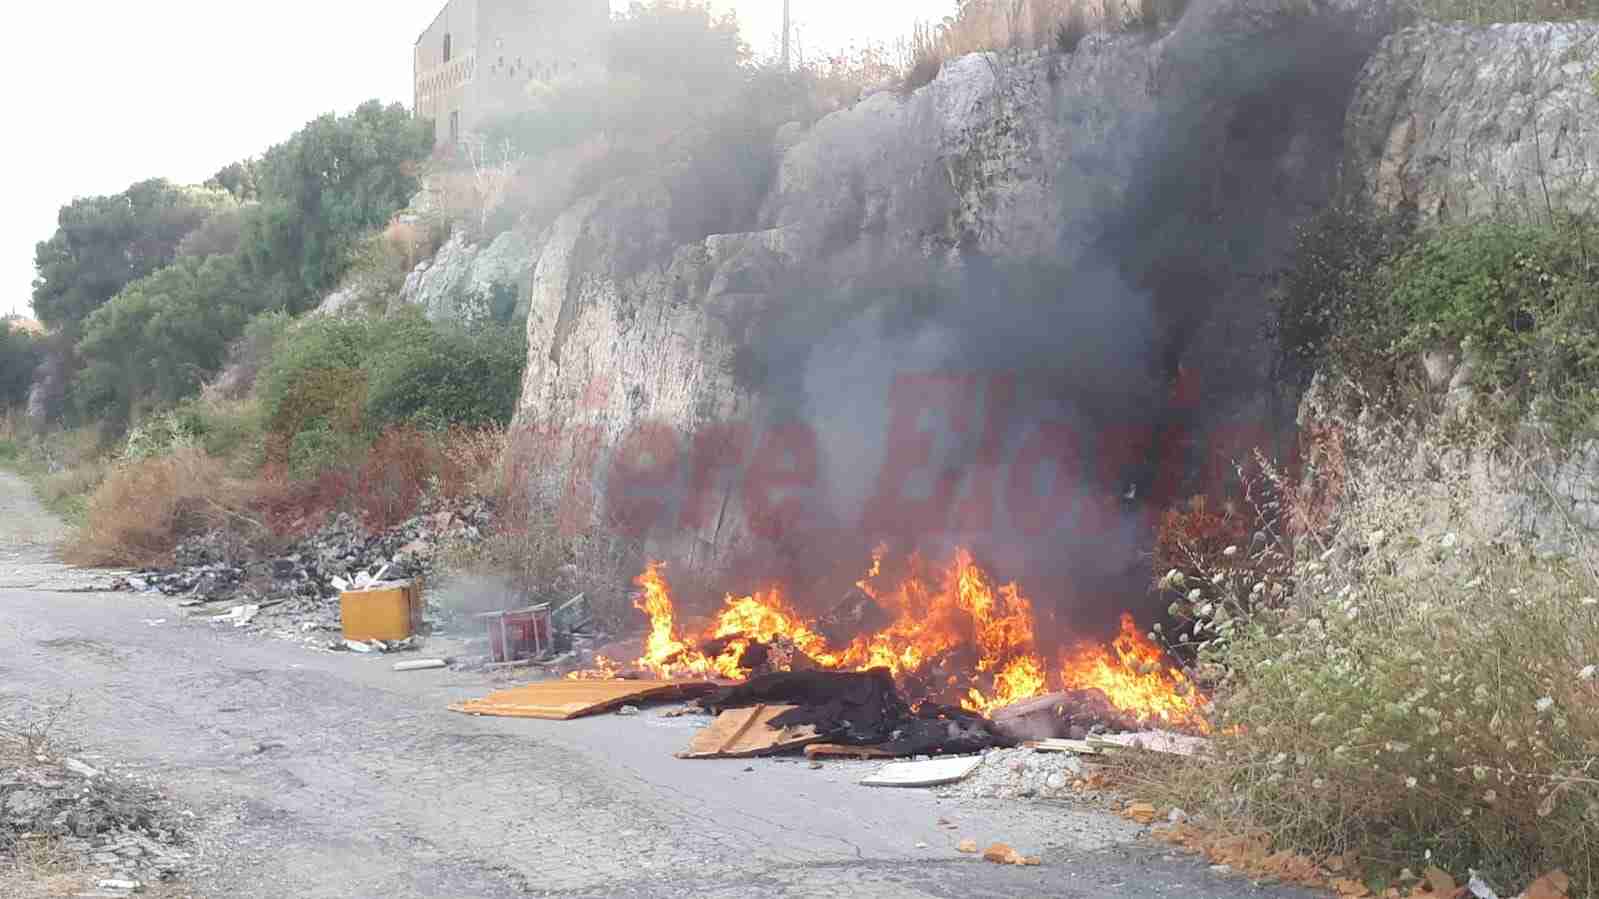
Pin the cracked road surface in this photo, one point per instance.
(315, 774)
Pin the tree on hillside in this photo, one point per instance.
(238, 179)
(333, 180)
(102, 244)
(161, 337)
(20, 354)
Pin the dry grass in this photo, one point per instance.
(1425, 694)
(144, 508)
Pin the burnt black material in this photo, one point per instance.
(862, 708)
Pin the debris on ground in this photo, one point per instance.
(747, 732)
(564, 699)
(302, 581)
(968, 846)
(1019, 773)
(1002, 854)
(863, 708)
(126, 831)
(421, 665)
(1140, 812)
(926, 773)
(1161, 741)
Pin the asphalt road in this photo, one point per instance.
(315, 774)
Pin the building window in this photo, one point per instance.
(446, 48)
(455, 127)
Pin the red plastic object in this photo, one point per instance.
(519, 634)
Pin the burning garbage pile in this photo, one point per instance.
(961, 646)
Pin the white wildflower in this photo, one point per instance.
(1411, 782)
(1317, 784)
(1230, 551)
(1377, 539)
(1449, 540)
(1479, 773)
(1544, 703)
(1490, 796)
(1587, 673)
(1194, 595)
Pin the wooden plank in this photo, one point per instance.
(561, 700)
(1153, 741)
(747, 732)
(839, 751)
(1080, 747)
(931, 773)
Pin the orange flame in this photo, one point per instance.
(954, 618)
(1134, 675)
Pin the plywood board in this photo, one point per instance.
(742, 733)
(839, 751)
(930, 773)
(560, 700)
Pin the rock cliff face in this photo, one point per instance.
(1149, 186)
(472, 282)
(1459, 122)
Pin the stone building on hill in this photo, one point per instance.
(479, 57)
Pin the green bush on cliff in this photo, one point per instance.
(1520, 303)
(331, 377)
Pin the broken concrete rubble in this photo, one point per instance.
(103, 818)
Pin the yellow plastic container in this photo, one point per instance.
(383, 613)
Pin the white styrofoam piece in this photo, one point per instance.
(931, 773)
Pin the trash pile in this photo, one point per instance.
(299, 588)
(848, 714)
(109, 822)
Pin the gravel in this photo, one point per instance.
(1019, 773)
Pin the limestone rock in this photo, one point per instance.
(1459, 122)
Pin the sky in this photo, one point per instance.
(106, 93)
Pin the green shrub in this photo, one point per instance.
(1524, 297)
(1364, 298)
(159, 435)
(351, 378)
(437, 376)
(322, 344)
(158, 340)
(320, 446)
(1330, 305)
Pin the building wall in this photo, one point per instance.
(445, 87)
(499, 47)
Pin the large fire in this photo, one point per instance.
(953, 629)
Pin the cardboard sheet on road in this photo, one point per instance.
(560, 700)
(931, 773)
(742, 733)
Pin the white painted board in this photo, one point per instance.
(930, 773)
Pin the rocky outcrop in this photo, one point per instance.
(1157, 178)
(1456, 121)
(473, 282)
